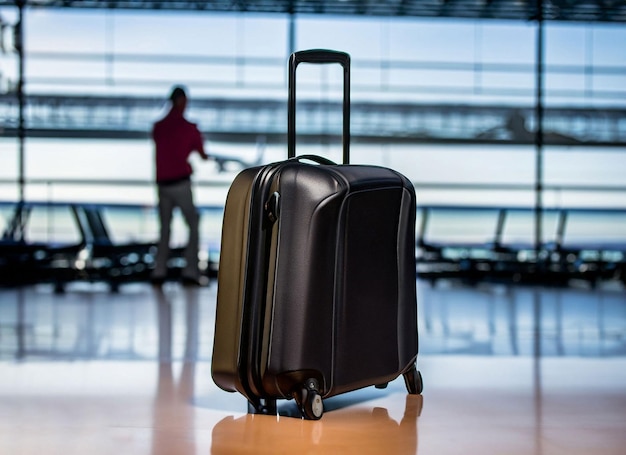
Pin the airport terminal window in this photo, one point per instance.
(126, 225)
(519, 227)
(592, 228)
(5, 215)
(466, 226)
(52, 225)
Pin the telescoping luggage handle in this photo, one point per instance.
(318, 56)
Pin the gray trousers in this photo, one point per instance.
(171, 196)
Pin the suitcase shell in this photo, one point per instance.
(316, 284)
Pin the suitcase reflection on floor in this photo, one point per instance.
(378, 432)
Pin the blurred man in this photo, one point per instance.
(175, 138)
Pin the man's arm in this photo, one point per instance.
(200, 144)
(202, 153)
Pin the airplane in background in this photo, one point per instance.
(230, 163)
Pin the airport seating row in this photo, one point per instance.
(59, 242)
(504, 244)
(63, 242)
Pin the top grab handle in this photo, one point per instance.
(318, 56)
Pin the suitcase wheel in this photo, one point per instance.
(413, 381)
(382, 386)
(310, 401)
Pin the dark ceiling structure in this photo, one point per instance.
(526, 10)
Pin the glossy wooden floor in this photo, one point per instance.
(506, 371)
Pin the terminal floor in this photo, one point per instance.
(507, 370)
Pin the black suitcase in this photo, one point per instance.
(317, 278)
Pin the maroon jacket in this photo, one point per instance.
(175, 138)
